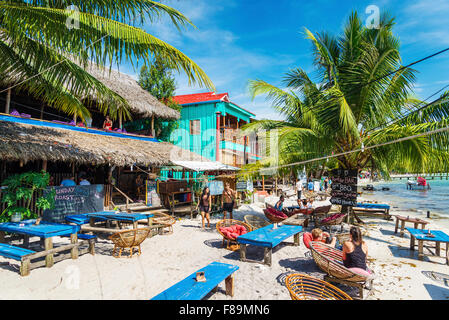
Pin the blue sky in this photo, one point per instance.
(239, 40)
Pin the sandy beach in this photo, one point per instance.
(167, 259)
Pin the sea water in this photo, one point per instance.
(435, 200)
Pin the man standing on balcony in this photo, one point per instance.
(227, 201)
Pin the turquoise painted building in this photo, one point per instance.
(210, 126)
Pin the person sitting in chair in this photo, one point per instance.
(318, 235)
(355, 251)
(280, 204)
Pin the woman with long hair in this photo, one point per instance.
(204, 204)
(355, 251)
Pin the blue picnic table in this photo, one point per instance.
(42, 230)
(120, 217)
(190, 289)
(268, 237)
(46, 231)
(436, 236)
(373, 206)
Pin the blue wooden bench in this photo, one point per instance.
(19, 254)
(190, 289)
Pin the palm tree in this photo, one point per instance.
(42, 54)
(352, 104)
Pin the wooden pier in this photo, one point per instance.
(427, 176)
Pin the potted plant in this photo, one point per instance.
(19, 192)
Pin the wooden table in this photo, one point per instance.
(120, 217)
(421, 236)
(297, 220)
(416, 222)
(268, 237)
(46, 231)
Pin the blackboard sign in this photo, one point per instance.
(344, 187)
(75, 200)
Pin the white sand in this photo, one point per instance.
(167, 259)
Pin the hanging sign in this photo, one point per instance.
(344, 187)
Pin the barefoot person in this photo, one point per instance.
(227, 201)
(204, 205)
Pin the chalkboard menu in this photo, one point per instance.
(75, 200)
(344, 187)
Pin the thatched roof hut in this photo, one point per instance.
(28, 142)
(140, 101)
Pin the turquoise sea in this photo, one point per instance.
(435, 200)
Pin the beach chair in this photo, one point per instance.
(333, 220)
(272, 217)
(304, 287)
(330, 260)
(130, 239)
(190, 289)
(166, 220)
(255, 222)
(231, 244)
(320, 212)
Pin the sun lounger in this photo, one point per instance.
(19, 254)
(190, 289)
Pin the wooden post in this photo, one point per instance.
(229, 283)
(152, 127)
(8, 101)
(74, 240)
(42, 111)
(263, 183)
(49, 257)
(44, 165)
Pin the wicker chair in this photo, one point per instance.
(330, 260)
(334, 222)
(228, 223)
(166, 220)
(320, 212)
(272, 217)
(129, 239)
(255, 222)
(304, 287)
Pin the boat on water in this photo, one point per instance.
(419, 184)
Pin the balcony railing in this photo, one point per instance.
(232, 135)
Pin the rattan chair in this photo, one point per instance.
(320, 212)
(255, 222)
(304, 287)
(129, 239)
(330, 260)
(272, 217)
(334, 222)
(166, 220)
(228, 223)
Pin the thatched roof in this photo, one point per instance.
(139, 100)
(27, 142)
